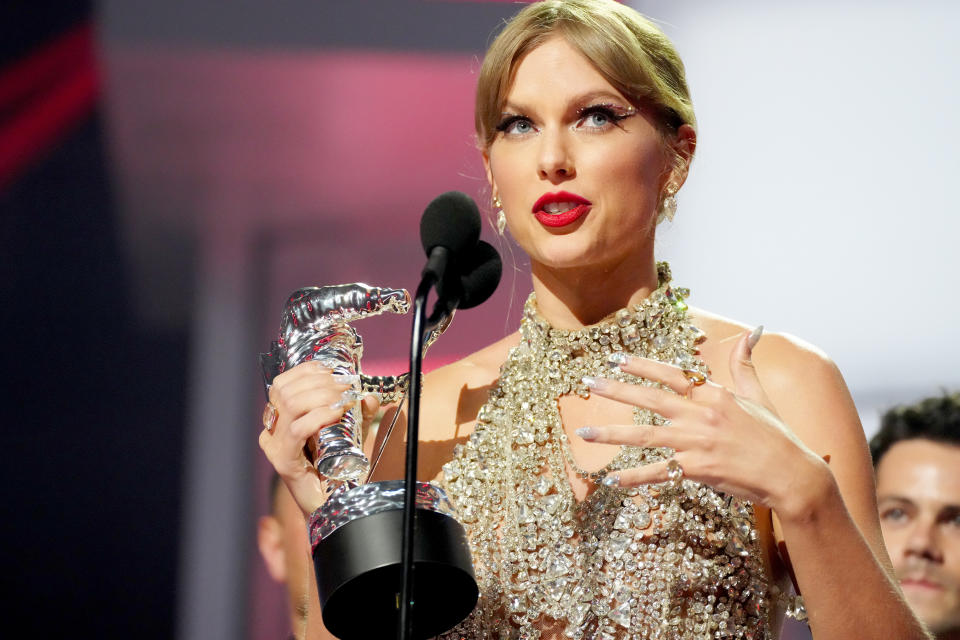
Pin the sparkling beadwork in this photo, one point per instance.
(676, 560)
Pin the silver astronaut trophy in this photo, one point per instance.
(315, 327)
(356, 533)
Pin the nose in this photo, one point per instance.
(923, 540)
(555, 162)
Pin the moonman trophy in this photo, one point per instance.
(356, 534)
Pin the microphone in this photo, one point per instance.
(465, 272)
(449, 229)
(482, 269)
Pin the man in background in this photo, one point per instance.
(916, 456)
(282, 539)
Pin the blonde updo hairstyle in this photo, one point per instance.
(627, 49)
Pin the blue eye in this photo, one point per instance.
(515, 125)
(520, 126)
(602, 116)
(894, 514)
(597, 119)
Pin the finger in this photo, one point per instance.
(292, 406)
(667, 404)
(743, 372)
(369, 407)
(669, 375)
(303, 369)
(639, 436)
(310, 423)
(315, 375)
(653, 473)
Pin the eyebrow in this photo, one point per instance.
(577, 103)
(894, 498)
(944, 508)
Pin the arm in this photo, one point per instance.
(738, 444)
(304, 398)
(828, 522)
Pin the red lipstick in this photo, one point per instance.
(562, 218)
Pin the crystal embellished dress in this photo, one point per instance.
(675, 560)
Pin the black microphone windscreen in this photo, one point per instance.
(481, 270)
(452, 221)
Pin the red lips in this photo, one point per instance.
(563, 218)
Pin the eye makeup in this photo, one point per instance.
(613, 111)
(507, 120)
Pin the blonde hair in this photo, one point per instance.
(626, 48)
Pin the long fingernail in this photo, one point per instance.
(347, 398)
(611, 480)
(345, 378)
(593, 382)
(617, 359)
(754, 337)
(587, 433)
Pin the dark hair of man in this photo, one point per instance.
(936, 419)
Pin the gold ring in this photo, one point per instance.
(269, 418)
(694, 377)
(674, 472)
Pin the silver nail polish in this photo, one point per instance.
(754, 337)
(617, 359)
(587, 433)
(611, 480)
(593, 382)
(342, 378)
(347, 399)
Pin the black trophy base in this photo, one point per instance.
(359, 575)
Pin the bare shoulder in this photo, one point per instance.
(802, 382)
(453, 394)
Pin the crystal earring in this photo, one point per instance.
(501, 221)
(668, 205)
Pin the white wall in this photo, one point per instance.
(822, 200)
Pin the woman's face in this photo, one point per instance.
(577, 168)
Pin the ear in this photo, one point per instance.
(489, 171)
(684, 145)
(270, 543)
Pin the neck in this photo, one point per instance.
(577, 297)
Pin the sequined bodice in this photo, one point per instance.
(676, 560)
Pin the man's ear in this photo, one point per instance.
(270, 543)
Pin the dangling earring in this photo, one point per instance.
(501, 216)
(668, 205)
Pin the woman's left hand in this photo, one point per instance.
(733, 441)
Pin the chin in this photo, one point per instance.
(569, 252)
(566, 260)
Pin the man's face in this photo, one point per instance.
(918, 491)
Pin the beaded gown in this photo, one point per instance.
(674, 560)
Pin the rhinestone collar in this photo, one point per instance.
(662, 561)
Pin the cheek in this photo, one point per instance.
(951, 556)
(635, 172)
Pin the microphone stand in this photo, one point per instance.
(421, 327)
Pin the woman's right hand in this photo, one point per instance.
(306, 399)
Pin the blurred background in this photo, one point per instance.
(170, 171)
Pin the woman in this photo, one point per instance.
(609, 489)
